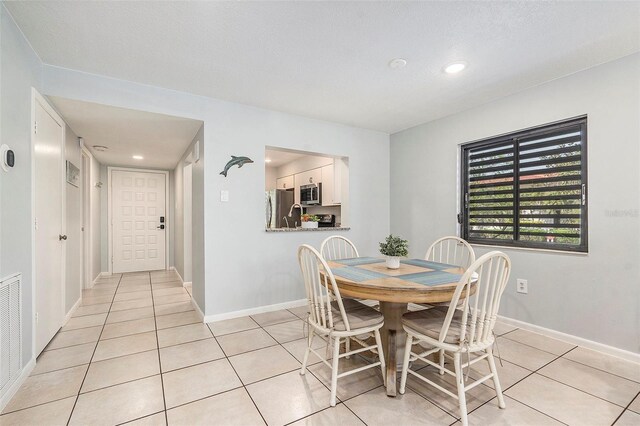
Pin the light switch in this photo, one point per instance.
(224, 195)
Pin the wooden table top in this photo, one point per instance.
(417, 280)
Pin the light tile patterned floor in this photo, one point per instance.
(135, 351)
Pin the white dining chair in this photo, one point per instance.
(461, 332)
(338, 247)
(330, 318)
(451, 250)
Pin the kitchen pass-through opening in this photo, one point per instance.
(305, 190)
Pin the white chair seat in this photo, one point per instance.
(456, 332)
(359, 316)
(329, 316)
(428, 322)
(351, 304)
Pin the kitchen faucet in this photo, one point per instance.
(293, 207)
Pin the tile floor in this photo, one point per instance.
(136, 352)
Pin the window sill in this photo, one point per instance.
(536, 250)
(336, 228)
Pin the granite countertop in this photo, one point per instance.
(335, 228)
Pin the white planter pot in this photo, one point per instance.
(309, 225)
(393, 262)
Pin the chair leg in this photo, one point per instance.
(306, 353)
(496, 381)
(334, 370)
(460, 385)
(347, 347)
(441, 362)
(383, 366)
(405, 364)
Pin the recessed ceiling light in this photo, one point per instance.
(267, 160)
(138, 157)
(397, 63)
(100, 148)
(455, 67)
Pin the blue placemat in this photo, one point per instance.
(357, 274)
(431, 278)
(355, 261)
(427, 264)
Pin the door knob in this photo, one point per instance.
(62, 237)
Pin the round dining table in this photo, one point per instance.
(415, 281)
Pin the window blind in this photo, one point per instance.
(527, 188)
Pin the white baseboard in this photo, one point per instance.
(197, 308)
(579, 341)
(254, 311)
(24, 374)
(173, 268)
(72, 310)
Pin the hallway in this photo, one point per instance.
(104, 364)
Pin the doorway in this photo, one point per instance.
(49, 221)
(138, 208)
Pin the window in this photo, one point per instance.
(527, 189)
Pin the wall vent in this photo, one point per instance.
(10, 331)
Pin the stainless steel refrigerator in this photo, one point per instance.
(278, 202)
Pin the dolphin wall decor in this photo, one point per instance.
(235, 161)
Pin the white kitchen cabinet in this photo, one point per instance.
(340, 176)
(285, 182)
(328, 186)
(332, 181)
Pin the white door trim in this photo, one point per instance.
(37, 97)
(110, 216)
(87, 241)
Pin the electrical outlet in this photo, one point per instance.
(224, 196)
(521, 286)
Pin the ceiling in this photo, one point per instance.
(328, 60)
(281, 157)
(159, 139)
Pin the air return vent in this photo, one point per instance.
(10, 331)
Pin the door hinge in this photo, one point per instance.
(36, 317)
(35, 127)
(460, 217)
(35, 223)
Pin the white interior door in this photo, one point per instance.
(138, 220)
(186, 219)
(48, 144)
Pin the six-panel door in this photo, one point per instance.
(138, 204)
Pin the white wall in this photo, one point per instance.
(594, 296)
(270, 178)
(20, 71)
(235, 280)
(73, 212)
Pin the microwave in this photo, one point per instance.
(311, 194)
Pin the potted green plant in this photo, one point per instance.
(394, 248)
(309, 221)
